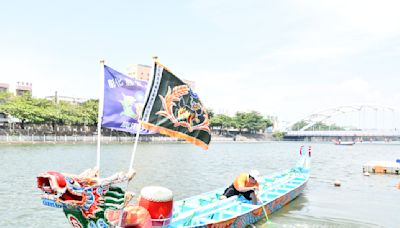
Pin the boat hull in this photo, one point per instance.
(276, 190)
(258, 214)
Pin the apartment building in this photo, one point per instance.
(143, 72)
(18, 89)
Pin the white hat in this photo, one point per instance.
(255, 174)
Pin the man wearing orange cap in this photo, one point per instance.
(245, 184)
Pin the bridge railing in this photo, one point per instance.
(383, 133)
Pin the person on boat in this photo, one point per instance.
(245, 184)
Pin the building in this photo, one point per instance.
(19, 89)
(23, 88)
(6, 119)
(4, 87)
(139, 71)
(143, 72)
(72, 100)
(3, 118)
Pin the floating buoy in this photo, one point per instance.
(337, 183)
(366, 174)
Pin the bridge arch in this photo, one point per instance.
(327, 114)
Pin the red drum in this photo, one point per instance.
(158, 201)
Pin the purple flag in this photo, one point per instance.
(123, 101)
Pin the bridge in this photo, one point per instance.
(362, 122)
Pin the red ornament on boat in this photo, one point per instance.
(158, 201)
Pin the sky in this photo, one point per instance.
(281, 58)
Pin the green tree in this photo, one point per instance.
(252, 121)
(320, 126)
(26, 108)
(4, 97)
(240, 121)
(222, 121)
(299, 125)
(210, 113)
(88, 111)
(278, 135)
(39, 111)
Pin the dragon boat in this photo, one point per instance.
(90, 202)
(171, 108)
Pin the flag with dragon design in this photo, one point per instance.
(174, 109)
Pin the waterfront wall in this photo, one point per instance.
(53, 138)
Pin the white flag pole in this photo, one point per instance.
(139, 125)
(129, 171)
(100, 115)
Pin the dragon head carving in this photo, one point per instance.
(65, 189)
(71, 191)
(82, 197)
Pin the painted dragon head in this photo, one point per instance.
(64, 189)
(82, 197)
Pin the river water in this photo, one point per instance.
(361, 201)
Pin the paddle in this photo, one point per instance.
(263, 207)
